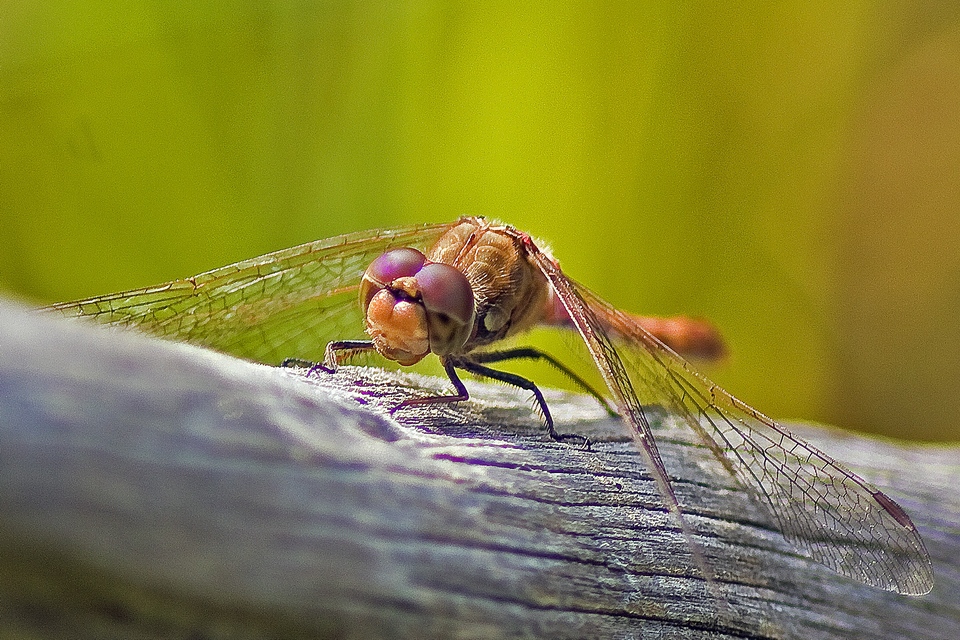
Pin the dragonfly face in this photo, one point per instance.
(413, 306)
(457, 289)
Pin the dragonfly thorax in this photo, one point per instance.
(510, 292)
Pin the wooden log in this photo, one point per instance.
(154, 490)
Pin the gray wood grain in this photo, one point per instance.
(150, 489)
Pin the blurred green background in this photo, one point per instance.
(788, 170)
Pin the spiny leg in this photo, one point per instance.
(331, 356)
(519, 381)
(462, 393)
(531, 353)
(331, 359)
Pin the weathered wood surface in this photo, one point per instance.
(156, 490)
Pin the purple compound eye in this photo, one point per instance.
(389, 266)
(448, 299)
(445, 290)
(396, 263)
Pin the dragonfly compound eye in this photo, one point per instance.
(389, 266)
(451, 310)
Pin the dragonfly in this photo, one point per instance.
(459, 289)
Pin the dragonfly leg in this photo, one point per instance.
(462, 393)
(331, 357)
(476, 368)
(531, 353)
(332, 354)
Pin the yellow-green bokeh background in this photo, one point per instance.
(789, 169)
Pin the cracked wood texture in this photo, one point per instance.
(157, 490)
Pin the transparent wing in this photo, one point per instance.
(593, 329)
(289, 303)
(826, 511)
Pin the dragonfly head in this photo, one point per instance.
(414, 307)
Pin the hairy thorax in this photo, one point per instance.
(510, 292)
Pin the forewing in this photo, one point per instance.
(288, 303)
(825, 510)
